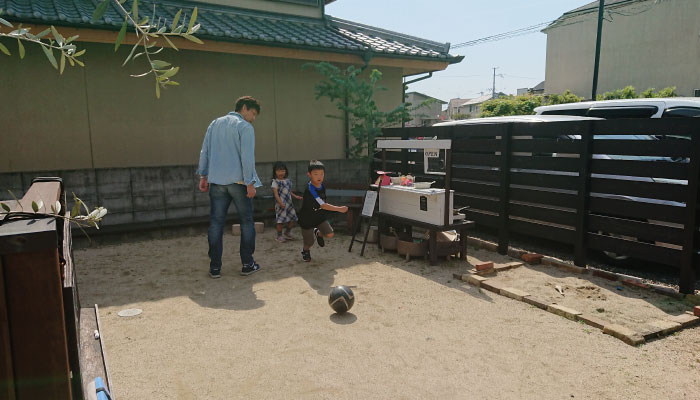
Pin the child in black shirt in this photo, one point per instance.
(312, 216)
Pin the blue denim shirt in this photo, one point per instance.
(228, 152)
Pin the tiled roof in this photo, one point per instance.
(223, 23)
(591, 8)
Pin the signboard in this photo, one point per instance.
(434, 161)
(370, 202)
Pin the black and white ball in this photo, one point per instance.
(341, 299)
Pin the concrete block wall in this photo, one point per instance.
(167, 193)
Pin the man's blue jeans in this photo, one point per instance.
(220, 197)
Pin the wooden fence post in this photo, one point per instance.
(504, 225)
(688, 272)
(584, 186)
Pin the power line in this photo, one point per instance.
(610, 10)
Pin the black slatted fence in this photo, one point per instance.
(619, 186)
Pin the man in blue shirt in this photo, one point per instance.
(227, 171)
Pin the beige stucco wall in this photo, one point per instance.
(272, 6)
(657, 48)
(99, 117)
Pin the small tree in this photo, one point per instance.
(354, 95)
(627, 92)
(461, 116)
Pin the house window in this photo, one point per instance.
(697, 92)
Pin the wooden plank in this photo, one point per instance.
(652, 169)
(7, 386)
(549, 129)
(658, 148)
(22, 236)
(546, 231)
(568, 182)
(37, 325)
(482, 160)
(467, 131)
(91, 360)
(477, 203)
(637, 209)
(639, 229)
(551, 215)
(640, 250)
(651, 190)
(482, 218)
(474, 187)
(689, 267)
(543, 197)
(71, 303)
(584, 188)
(478, 174)
(546, 146)
(548, 163)
(504, 182)
(476, 145)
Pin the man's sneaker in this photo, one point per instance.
(250, 269)
(281, 239)
(319, 237)
(306, 255)
(215, 275)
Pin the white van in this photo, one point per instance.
(667, 107)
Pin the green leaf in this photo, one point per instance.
(70, 60)
(175, 20)
(170, 72)
(170, 43)
(120, 37)
(4, 49)
(192, 38)
(35, 206)
(133, 49)
(79, 63)
(193, 18)
(44, 33)
(21, 48)
(63, 62)
(72, 38)
(157, 90)
(75, 210)
(100, 10)
(159, 64)
(59, 38)
(173, 83)
(135, 10)
(2, 21)
(49, 55)
(80, 53)
(5, 207)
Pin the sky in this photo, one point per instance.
(520, 60)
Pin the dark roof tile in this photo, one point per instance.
(235, 24)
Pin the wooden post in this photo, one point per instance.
(688, 272)
(7, 386)
(584, 185)
(448, 179)
(504, 211)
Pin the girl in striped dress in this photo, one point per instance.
(284, 207)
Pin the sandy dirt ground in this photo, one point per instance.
(414, 332)
(638, 309)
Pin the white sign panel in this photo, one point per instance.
(370, 201)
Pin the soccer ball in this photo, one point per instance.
(341, 299)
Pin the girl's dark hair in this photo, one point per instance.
(279, 165)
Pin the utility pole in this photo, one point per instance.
(493, 92)
(594, 91)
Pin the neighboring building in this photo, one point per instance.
(538, 89)
(645, 43)
(426, 115)
(469, 107)
(97, 119)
